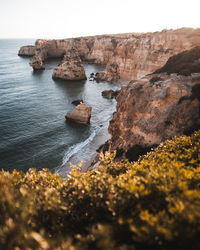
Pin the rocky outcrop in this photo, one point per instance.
(81, 114)
(149, 112)
(77, 102)
(27, 51)
(71, 68)
(153, 107)
(127, 56)
(37, 63)
(109, 94)
(93, 49)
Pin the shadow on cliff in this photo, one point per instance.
(184, 63)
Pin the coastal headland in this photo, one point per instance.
(162, 71)
(146, 203)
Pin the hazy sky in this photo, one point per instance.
(71, 18)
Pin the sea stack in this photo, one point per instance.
(71, 68)
(81, 114)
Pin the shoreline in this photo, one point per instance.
(135, 125)
(87, 149)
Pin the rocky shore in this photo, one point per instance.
(162, 97)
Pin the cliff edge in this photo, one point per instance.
(127, 56)
(157, 107)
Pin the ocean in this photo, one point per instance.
(33, 130)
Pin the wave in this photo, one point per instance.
(87, 148)
(75, 149)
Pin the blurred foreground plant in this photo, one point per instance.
(153, 203)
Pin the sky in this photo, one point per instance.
(73, 18)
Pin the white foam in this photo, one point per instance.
(85, 146)
(75, 149)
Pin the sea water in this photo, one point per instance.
(33, 130)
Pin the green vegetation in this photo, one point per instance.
(153, 203)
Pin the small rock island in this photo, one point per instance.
(81, 114)
(71, 67)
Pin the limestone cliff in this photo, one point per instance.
(157, 107)
(96, 49)
(127, 56)
(151, 108)
(151, 112)
(142, 54)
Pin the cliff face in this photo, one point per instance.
(128, 56)
(158, 106)
(142, 54)
(98, 49)
(150, 112)
(151, 108)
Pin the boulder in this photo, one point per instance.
(81, 114)
(92, 77)
(109, 94)
(71, 68)
(28, 50)
(77, 102)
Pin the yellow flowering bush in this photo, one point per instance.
(153, 203)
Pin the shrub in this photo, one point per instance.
(153, 203)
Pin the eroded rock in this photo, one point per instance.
(126, 56)
(109, 94)
(37, 63)
(28, 50)
(142, 54)
(71, 68)
(81, 114)
(151, 112)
